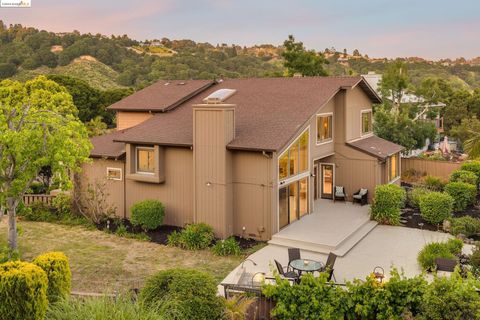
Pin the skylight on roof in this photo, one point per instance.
(219, 96)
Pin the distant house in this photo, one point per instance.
(247, 156)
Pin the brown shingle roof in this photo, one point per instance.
(162, 95)
(376, 147)
(104, 146)
(268, 112)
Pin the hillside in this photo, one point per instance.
(96, 74)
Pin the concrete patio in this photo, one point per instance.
(332, 227)
(384, 246)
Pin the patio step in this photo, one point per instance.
(340, 249)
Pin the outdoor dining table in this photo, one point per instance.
(307, 265)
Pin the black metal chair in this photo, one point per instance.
(293, 254)
(339, 194)
(329, 266)
(286, 274)
(361, 196)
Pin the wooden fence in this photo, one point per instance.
(435, 168)
(28, 199)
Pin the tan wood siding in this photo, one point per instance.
(130, 119)
(96, 172)
(317, 151)
(213, 130)
(176, 193)
(430, 167)
(357, 100)
(252, 196)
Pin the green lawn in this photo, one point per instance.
(101, 262)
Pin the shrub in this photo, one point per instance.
(148, 214)
(57, 268)
(7, 254)
(38, 211)
(62, 204)
(436, 206)
(415, 194)
(120, 308)
(463, 194)
(475, 258)
(226, 247)
(430, 252)
(23, 291)
(389, 198)
(451, 298)
(434, 183)
(466, 225)
(473, 166)
(313, 298)
(195, 236)
(464, 176)
(193, 292)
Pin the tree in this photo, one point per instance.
(472, 145)
(39, 127)
(466, 129)
(356, 53)
(456, 109)
(395, 81)
(299, 60)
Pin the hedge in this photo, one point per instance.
(388, 200)
(23, 291)
(473, 166)
(192, 292)
(57, 268)
(467, 225)
(430, 252)
(148, 214)
(414, 195)
(463, 194)
(436, 206)
(464, 176)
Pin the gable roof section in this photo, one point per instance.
(376, 146)
(268, 112)
(105, 147)
(162, 95)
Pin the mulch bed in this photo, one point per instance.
(160, 235)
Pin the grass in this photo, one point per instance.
(103, 262)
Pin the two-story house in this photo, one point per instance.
(247, 156)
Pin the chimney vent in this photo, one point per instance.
(219, 96)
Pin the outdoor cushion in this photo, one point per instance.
(357, 196)
(362, 192)
(339, 191)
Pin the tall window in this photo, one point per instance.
(394, 167)
(294, 160)
(145, 160)
(367, 122)
(324, 128)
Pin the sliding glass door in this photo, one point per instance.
(293, 202)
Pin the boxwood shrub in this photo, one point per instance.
(148, 214)
(464, 176)
(23, 291)
(227, 247)
(191, 291)
(463, 194)
(430, 252)
(473, 166)
(57, 268)
(195, 236)
(467, 225)
(436, 206)
(413, 196)
(434, 183)
(388, 200)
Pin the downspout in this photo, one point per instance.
(124, 190)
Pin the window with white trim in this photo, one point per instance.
(114, 174)
(295, 159)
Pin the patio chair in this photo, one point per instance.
(290, 275)
(293, 254)
(339, 194)
(329, 266)
(361, 196)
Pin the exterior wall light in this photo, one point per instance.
(208, 184)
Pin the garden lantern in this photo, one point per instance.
(379, 274)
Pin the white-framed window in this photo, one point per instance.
(324, 128)
(145, 160)
(367, 122)
(394, 167)
(114, 174)
(294, 160)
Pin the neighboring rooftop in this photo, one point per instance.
(162, 96)
(104, 146)
(376, 146)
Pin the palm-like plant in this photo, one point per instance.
(236, 307)
(472, 145)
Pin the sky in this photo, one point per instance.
(380, 28)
